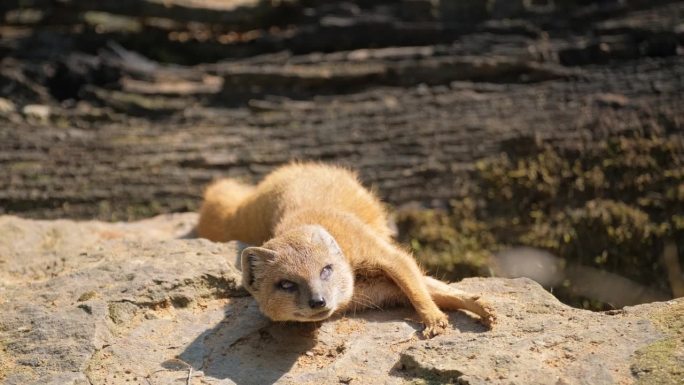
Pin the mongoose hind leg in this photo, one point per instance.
(221, 200)
(377, 292)
(449, 298)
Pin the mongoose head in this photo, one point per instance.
(301, 275)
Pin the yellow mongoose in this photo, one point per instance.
(325, 247)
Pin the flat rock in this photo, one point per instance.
(142, 302)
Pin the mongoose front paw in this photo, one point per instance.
(435, 325)
(486, 313)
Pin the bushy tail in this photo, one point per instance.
(221, 200)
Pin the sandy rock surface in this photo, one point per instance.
(143, 303)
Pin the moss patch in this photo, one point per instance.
(603, 233)
(662, 362)
(607, 203)
(450, 244)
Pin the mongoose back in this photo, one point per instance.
(325, 247)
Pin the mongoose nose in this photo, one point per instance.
(315, 303)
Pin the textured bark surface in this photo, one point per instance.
(558, 124)
(136, 137)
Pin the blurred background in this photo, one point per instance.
(538, 138)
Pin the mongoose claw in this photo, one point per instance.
(436, 325)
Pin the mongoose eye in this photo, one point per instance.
(325, 273)
(287, 285)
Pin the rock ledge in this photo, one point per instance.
(100, 303)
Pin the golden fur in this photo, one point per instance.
(324, 240)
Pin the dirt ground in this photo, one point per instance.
(556, 125)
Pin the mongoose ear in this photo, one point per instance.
(321, 235)
(251, 259)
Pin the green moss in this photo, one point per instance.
(611, 204)
(662, 362)
(449, 244)
(603, 233)
(671, 319)
(86, 296)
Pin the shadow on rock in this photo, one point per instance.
(247, 348)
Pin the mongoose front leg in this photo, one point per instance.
(403, 270)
